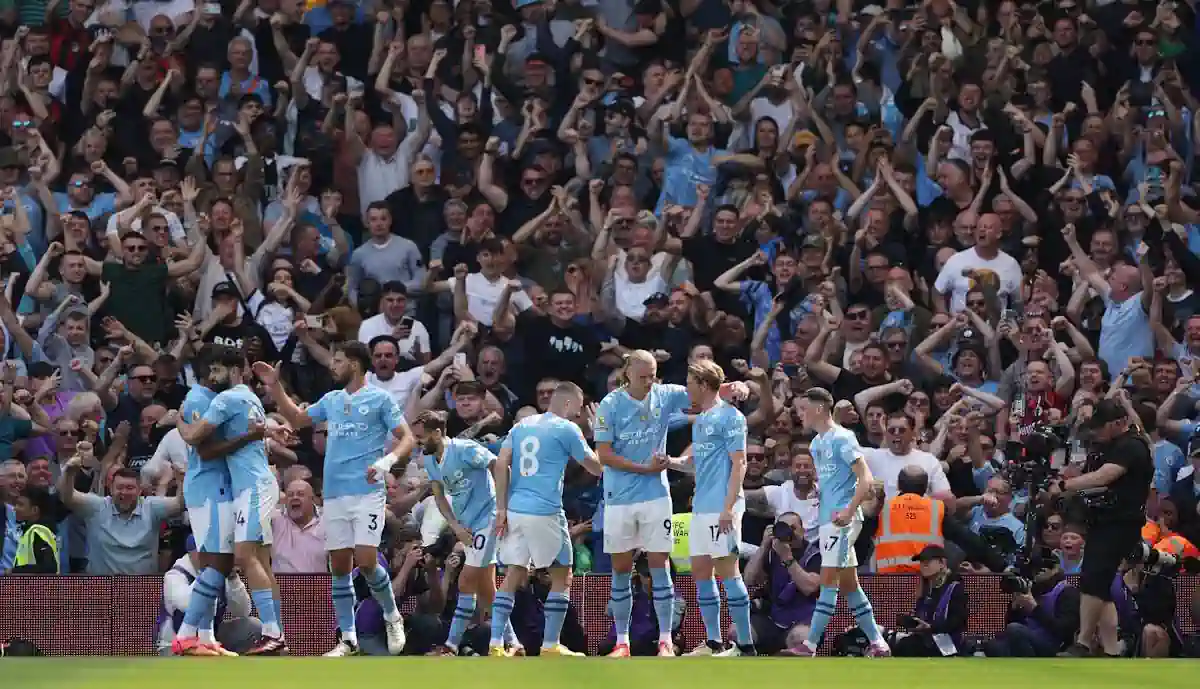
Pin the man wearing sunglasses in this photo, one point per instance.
(139, 286)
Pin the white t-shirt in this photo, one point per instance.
(483, 295)
(377, 325)
(631, 296)
(1002, 272)
(172, 451)
(378, 176)
(782, 499)
(886, 466)
(400, 385)
(113, 230)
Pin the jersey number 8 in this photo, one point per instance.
(528, 461)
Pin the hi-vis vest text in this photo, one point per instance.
(25, 554)
(907, 524)
(681, 554)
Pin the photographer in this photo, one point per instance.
(1121, 463)
(1038, 625)
(939, 620)
(1148, 614)
(789, 570)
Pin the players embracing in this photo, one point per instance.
(223, 422)
(631, 435)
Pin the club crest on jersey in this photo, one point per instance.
(364, 410)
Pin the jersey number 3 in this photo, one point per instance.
(528, 461)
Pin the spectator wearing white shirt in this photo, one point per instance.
(887, 463)
(400, 384)
(481, 291)
(170, 454)
(797, 494)
(384, 161)
(982, 266)
(393, 320)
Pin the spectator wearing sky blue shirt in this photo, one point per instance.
(993, 510)
(1125, 332)
(692, 161)
(81, 193)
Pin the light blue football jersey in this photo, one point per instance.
(541, 446)
(205, 480)
(637, 429)
(232, 412)
(466, 481)
(834, 452)
(359, 427)
(716, 434)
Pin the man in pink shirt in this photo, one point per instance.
(299, 535)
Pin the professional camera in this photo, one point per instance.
(1029, 459)
(1013, 583)
(782, 531)
(1155, 561)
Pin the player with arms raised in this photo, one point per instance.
(464, 491)
(362, 421)
(530, 520)
(844, 481)
(630, 435)
(719, 459)
(235, 413)
(208, 495)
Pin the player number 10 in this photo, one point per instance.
(528, 461)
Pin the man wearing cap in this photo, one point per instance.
(226, 326)
(1124, 469)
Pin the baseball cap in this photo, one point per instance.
(537, 57)
(226, 289)
(656, 299)
(624, 107)
(930, 552)
(1105, 412)
(813, 241)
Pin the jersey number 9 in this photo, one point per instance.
(527, 461)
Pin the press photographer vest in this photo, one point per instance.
(933, 614)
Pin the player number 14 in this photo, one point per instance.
(527, 461)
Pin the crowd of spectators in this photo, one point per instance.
(968, 220)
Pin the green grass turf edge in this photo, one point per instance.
(584, 673)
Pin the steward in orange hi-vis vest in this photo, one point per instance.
(907, 523)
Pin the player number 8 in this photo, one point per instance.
(528, 459)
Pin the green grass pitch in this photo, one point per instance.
(585, 673)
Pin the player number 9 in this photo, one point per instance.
(527, 460)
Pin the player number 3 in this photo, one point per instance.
(528, 459)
